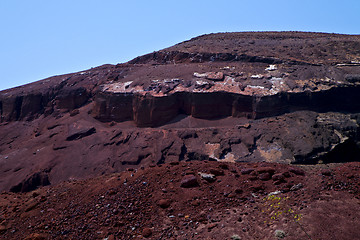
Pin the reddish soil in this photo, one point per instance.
(319, 202)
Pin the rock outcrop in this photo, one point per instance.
(151, 111)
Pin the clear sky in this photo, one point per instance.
(42, 38)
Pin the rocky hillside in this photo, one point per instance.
(225, 136)
(287, 97)
(193, 200)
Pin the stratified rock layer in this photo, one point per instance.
(152, 111)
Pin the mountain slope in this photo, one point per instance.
(288, 97)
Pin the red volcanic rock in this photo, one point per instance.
(77, 131)
(297, 171)
(36, 236)
(224, 166)
(113, 107)
(189, 181)
(268, 170)
(2, 229)
(264, 176)
(201, 217)
(278, 177)
(164, 203)
(147, 232)
(111, 237)
(326, 172)
(217, 172)
(74, 112)
(211, 226)
(257, 187)
(245, 171)
(253, 176)
(149, 111)
(286, 174)
(239, 190)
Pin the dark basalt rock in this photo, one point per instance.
(150, 111)
(71, 99)
(78, 131)
(189, 181)
(117, 107)
(36, 180)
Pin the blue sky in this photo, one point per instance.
(42, 38)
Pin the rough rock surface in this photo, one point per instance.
(150, 203)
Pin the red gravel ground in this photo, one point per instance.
(313, 202)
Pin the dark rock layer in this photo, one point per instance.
(151, 111)
(28, 107)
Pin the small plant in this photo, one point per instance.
(275, 207)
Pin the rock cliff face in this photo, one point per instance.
(27, 107)
(336, 67)
(152, 111)
(276, 97)
(50, 96)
